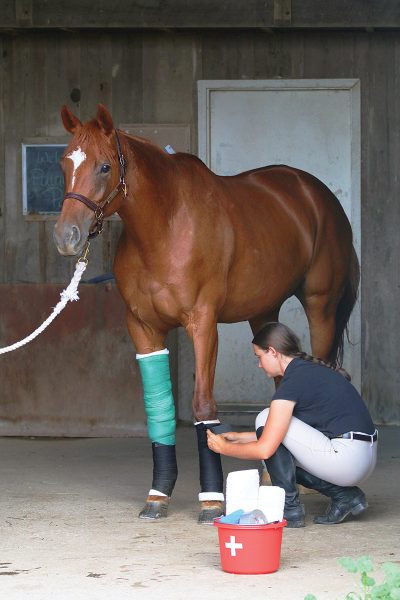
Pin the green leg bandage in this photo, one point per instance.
(158, 399)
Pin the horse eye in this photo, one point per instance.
(105, 168)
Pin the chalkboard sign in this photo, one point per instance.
(43, 180)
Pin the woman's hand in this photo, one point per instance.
(217, 443)
(245, 444)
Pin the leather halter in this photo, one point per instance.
(98, 209)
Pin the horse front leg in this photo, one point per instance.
(204, 335)
(160, 411)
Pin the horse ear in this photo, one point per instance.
(104, 119)
(70, 121)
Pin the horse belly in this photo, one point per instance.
(259, 292)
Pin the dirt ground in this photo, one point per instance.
(69, 528)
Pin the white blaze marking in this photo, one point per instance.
(77, 157)
(233, 545)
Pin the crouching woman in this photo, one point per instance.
(317, 432)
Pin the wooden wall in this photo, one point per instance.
(151, 77)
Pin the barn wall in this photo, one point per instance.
(79, 377)
(150, 77)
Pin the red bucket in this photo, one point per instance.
(250, 549)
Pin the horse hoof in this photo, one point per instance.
(209, 512)
(154, 509)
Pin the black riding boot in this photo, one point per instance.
(345, 501)
(282, 471)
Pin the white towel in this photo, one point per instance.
(242, 490)
(271, 500)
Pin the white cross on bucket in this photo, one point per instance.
(233, 545)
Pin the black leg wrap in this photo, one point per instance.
(165, 469)
(211, 475)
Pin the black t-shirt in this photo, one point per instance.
(324, 399)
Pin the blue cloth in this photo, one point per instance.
(232, 518)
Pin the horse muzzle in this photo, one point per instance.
(68, 239)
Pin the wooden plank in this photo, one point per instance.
(282, 12)
(381, 245)
(152, 14)
(392, 251)
(4, 52)
(293, 46)
(35, 113)
(197, 74)
(7, 15)
(230, 56)
(35, 125)
(24, 13)
(279, 54)
(62, 69)
(62, 76)
(95, 73)
(21, 255)
(205, 14)
(34, 84)
(127, 77)
(328, 55)
(79, 377)
(252, 55)
(342, 13)
(168, 78)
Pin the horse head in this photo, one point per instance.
(94, 171)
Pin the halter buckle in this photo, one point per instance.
(122, 161)
(98, 213)
(85, 252)
(124, 188)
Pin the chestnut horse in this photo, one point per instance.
(198, 249)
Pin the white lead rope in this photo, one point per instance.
(69, 294)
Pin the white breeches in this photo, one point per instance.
(344, 462)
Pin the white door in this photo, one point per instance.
(309, 124)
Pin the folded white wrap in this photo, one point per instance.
(271, 500)
(242, 490)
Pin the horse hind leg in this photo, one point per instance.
(328, 296)
(321, 315)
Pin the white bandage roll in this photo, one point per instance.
(156, 353)
(271, 501)
(242, 490)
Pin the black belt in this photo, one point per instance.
(358, 436)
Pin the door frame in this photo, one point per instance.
(205, 90)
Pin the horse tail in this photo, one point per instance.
(344, 309)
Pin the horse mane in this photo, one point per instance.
(138, 138)
(145, 147)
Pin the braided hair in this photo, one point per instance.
(285, 341)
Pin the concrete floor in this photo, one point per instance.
(69, 528)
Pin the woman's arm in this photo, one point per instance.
(275, 430)
(240, 437)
